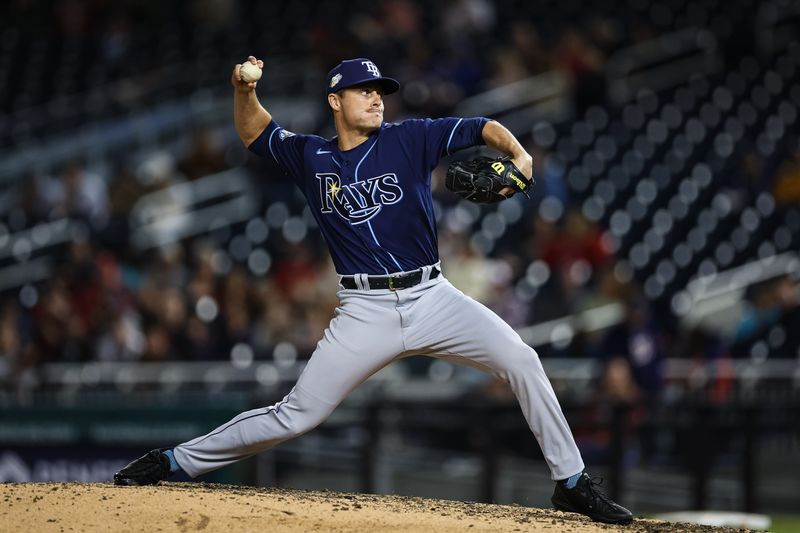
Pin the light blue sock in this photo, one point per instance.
(173, 464)
(571, 481)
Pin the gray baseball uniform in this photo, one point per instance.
(371, 329)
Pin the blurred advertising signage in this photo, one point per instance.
(22, 466)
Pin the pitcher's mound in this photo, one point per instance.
(185, 507)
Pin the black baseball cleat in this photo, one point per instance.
(586, 498)
(148, 469)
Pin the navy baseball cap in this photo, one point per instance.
(351, 72)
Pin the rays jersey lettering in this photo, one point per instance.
(372, 203)
(360, 201)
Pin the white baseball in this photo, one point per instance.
(249, 72)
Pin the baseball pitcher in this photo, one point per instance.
(369, 189)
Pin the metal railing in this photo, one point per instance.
(102, 139)
(193, 208)
(393, 380)
(714, 301)
(520, 104)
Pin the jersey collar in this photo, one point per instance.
(334, 144)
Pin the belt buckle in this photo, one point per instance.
(391, 285)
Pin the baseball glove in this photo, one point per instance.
(480, 180)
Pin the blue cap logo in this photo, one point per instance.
(352, 72)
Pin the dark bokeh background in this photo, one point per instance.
(655, 270)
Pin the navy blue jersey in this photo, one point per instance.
(373, 203)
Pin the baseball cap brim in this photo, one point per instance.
(389, 85)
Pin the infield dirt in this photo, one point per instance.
(188, 507)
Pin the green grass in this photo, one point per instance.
(785, 524)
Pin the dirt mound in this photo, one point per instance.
(185, 507)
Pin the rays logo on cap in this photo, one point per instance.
(372, 68)
(358, 71)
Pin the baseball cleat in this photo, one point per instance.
(148, 469)
(586, 498)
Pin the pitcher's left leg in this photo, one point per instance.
(455, 326)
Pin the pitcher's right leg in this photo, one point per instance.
(252, 431)
(362, 338)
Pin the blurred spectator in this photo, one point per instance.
(276, 322)
(712, 368)
(213, 15)
(579, 242)
(205, 157)
(296, 273)
(86, 294)
(10, 341)
(548, 171)
(633, 356)
(608, 289)
(400, 18)
(617, 384)
(157, 343)
(116, 44)
(787, 182)
(30, 200)
(125, 191)
(202, 341)
(508, 68)
(122, 340)
(236, 318)
(574, 250)
(526, 42)
(583, 63)
(72, 17)
(158, 170)
(503, 298)
(634, 353)
(462, 18)
(468, 269)
(203, 280)
(606, 33)
(82, 194)
(172, 313)
(58, 329)
(767, 304)
(747, 175)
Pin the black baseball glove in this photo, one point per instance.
(480, 180)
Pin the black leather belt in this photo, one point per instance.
(393, 283)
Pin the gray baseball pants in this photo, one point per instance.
(372, 328)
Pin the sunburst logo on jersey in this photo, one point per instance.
(335, 188)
